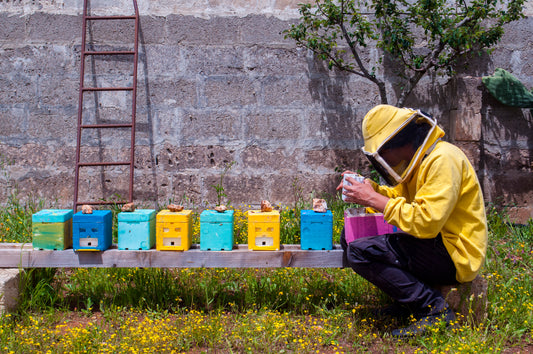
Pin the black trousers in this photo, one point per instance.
(404, 267)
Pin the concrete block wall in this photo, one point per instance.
(219, 83)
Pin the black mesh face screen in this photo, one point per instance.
(383, 173)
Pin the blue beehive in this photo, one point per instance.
(92, 232)
(216, 230)
(316, 230)
(52, 229)
(136, 229)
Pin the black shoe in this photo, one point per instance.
(396, 310)
(446, 316)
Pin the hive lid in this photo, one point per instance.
(215, 216)
(137, 215)
(166, 215)
(311, 215)
(263, 216)
(96, 216)
(52, 215)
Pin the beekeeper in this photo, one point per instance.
(433, 195)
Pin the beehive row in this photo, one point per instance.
(142, 229)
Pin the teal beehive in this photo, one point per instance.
(316, 230)
(92, 232)
(216, 230)
(136, 229)
(52, 229)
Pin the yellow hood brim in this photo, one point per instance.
(381, 122)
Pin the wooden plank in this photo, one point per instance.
(20, 255)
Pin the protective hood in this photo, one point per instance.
(383, 123)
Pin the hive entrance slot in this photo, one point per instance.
(172, 241)
(88, 242)
(264, 241)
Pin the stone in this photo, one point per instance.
(221, 208)
(320, 205)
(175, 207)
(9, 289)
(128, 207)
(87, 209)
(265, 206)
(468, 299)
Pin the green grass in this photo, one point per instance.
(252, 310)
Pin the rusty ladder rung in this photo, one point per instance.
(111, 17)
(103, 202)
(97, 126)
(107, 89)
(117, 163)
(111, 52)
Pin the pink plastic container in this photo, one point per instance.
(357, 225)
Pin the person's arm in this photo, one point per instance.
(363, 194)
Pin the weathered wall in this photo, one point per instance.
(219, 83)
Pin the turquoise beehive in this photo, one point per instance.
(216, 230)
(136, 229)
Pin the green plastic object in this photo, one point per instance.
(508, 89)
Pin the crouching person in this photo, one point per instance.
(433, 195)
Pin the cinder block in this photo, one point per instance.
(466, 125)
(53, 28)
(211, 127)
(196, 30)
(211, 61)
(12, 121)
(9, 289)
(266, 126)
(287, 92)
(232, 91)
(12, 28)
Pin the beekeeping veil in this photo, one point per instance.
(382, 124)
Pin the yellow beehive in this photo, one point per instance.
(173, 230)
(263, 230)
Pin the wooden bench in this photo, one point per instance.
(469, 299)
(17, 255)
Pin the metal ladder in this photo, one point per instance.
(85, 53)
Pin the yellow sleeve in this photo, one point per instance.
(390, 192)
(437, 184)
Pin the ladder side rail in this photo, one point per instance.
(134, 99)
(80, 104)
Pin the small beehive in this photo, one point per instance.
(216, 230)
(263, 230)
(92, 232)
(173, 230)
(316, 230)
(136, 230)
(52, 229)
